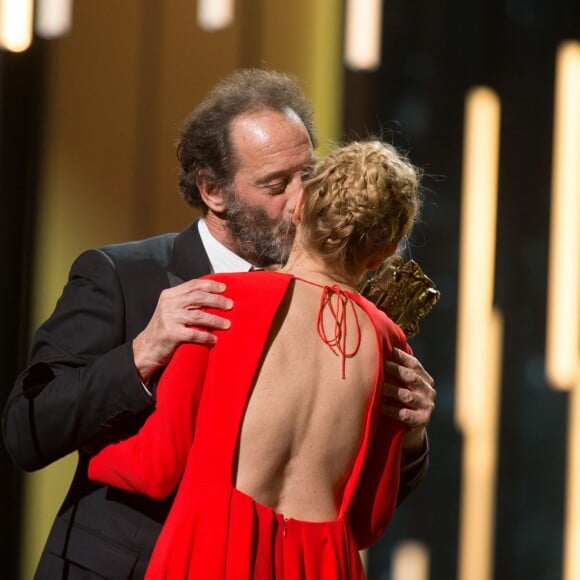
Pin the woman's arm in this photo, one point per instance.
(152, 461)
(375, 499)
(378, 488)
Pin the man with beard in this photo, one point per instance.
(96, 361)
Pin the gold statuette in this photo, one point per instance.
(402, 291)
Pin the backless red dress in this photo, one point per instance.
(213, 530)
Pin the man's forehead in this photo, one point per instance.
(260, 124)
(250, 129)
(270, 136)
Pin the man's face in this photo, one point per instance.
(271, 150)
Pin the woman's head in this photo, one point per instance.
(360, 201)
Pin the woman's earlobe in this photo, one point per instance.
(296, 216)
(298, 210)
(374, 262)
(377, 259)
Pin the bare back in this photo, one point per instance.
(302, 426)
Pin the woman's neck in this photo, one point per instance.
(303, 264)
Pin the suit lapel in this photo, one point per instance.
(189, 257)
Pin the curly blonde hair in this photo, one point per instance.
(359, 200)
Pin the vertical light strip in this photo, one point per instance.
(215, 15)
(53, 18)
(478, 334)
(324, 74)
(563, 321)
(410, 561)
(363, 24)
(16, 24)
(572, 517)
(477, 248)
(479, 469)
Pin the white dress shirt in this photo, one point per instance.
(221, 258)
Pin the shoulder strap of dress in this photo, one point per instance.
(336, 302)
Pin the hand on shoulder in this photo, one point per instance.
(180, 318)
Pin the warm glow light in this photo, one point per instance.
(479, 335)
(572, 525)
(53, 18)
(410, 561)
(15, 24)
(479, 470)
(477, 250)
(362, 46)
(563, 323)
(215, 15)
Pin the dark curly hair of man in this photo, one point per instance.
(204, 142)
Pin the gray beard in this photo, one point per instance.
(261, 240)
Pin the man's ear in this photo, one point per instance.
(211, 193)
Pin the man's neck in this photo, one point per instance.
(219, 230)
(221, 258)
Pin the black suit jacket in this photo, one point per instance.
(81, 391)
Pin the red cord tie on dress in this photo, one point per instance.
(338, 312)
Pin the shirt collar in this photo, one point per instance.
(222, 259)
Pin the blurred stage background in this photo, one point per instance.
(88, 123)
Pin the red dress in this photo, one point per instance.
(213, 530)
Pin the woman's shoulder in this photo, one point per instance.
(255, 275)
(261, 281)
(384, 325)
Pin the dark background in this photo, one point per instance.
(433, 52)
(21, 89)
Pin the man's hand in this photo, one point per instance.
(412, 400)
(177, 319)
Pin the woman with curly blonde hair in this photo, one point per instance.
(273, 438)
(362, 201)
